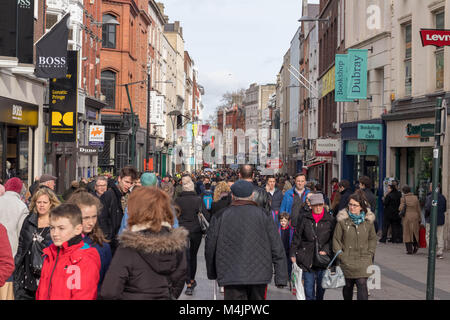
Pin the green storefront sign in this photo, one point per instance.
(370, 131)
(362, 148)
(351, 75)
(420, 131)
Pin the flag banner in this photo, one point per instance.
(8, 28)
(51, 51)
(25, 31)
(63, 103)
(357, 74)
(341, 78)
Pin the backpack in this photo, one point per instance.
(208, 200)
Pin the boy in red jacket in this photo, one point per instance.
(71, 268)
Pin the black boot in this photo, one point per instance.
(409, 248)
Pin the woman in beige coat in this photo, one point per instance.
(411, 220)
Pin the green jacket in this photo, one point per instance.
(357, 243)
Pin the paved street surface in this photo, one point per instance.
(403, 277)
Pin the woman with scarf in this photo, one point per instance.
(355, 236)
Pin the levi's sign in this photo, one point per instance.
(433, 37)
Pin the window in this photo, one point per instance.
(50, 20)
(408, 56)
(108, 88)
(439, 53)
(109, 31)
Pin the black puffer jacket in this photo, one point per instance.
(262, 199)
(223, 203)
(22, 288)
(190, 203)
(112, 213)
(147, 266)
(391, 204)
(242, 246)
(343, 202)
(303, 244)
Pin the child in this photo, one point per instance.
(287, 234)
(90, 206)
(71, 269)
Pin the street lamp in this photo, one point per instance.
(309, 19)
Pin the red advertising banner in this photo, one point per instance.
(433, 37)
(324, 153)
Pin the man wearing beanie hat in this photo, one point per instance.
(241, 247)
(12, 214)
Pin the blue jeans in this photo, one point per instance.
(313, 285)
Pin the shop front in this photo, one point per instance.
(363, 145)
(410, 143)
(18, 122)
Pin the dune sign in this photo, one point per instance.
(96, 136)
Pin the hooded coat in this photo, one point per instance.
(357, 242)
(147, 265)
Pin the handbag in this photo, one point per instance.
(319, 261)
(204, 224)
(333, 280)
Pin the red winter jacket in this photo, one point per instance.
(6, 258)
(69, 272)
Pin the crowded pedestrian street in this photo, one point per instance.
(272, 152)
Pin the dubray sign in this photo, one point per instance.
(357, 81)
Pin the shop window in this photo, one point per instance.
(108, 88)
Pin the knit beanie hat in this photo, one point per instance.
(14, 184)
(187, 184)
(148, 179)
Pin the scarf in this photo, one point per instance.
(318, 217)
(357, 219)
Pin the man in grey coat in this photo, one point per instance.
(243, 246)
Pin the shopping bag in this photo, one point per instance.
(296, 278)
(423, 237)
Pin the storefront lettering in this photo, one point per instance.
(362, 147)
(17, 112)
(420, 131)
(356, 76)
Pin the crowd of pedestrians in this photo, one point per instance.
(138, 236)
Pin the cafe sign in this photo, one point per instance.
(370, 131)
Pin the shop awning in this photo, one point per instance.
(315, 164)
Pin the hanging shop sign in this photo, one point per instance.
(51, 51)
(18, 112)
(96, 136)
(370, 131)
(351, 75)
(85, 150)
(63, 103)
(433, 37)
(328, 82)
(420, 131)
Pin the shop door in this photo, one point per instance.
(163, 165)
(16, 152)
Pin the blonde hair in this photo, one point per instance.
(43, 191)
(221, 187)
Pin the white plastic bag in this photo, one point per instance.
(296, 278)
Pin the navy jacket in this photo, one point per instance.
(442, 207)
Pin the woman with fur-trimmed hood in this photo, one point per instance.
(150, 263)
(355, 235)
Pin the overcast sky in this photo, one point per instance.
(235, 42)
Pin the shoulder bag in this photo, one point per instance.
(333, 280)
(319, 261)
